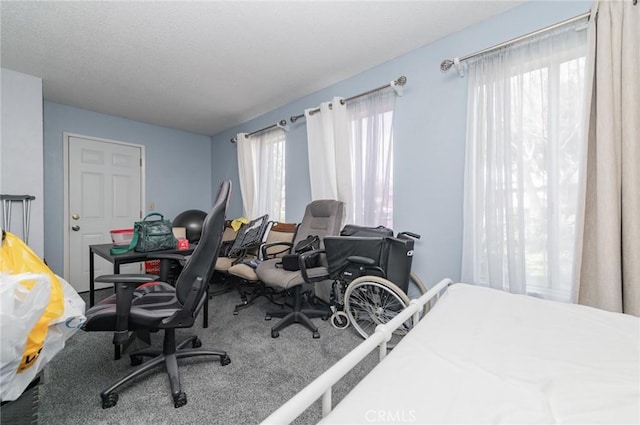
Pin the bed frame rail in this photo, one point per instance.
(322, 385)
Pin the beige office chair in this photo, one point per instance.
(244, 245)
(278, 241)
(321, 218)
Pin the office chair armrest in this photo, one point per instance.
(125, 285)
(303, 265)
(264, 247)
(126, 278)
(185, 317)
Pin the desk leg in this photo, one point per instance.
(116, 347)
(92, 285)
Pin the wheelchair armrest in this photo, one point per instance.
(303, 266)
(365, 261)
(125, 285)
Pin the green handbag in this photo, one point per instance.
(150, 235)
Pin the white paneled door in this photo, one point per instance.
(104, 193)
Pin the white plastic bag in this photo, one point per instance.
(20, 310)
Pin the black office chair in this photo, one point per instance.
(142, 305)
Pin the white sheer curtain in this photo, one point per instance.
(261, 160)
(351, 156)
(370, 121)
(523, 165)
(329, 153)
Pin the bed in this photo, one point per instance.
(487, 356)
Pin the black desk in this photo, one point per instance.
(103, 251)
(126, 258)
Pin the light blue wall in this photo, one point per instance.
(429, 136)
(178, 166)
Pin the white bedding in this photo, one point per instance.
(486, 356)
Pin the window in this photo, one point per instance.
(523, 165)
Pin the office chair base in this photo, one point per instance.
(168, 356)
(289, 317)
(296, 315)
(179, 399)
(260, 290)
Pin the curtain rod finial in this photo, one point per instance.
(446, 64)
(283, 125)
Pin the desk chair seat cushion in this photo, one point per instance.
(223, 264)
(149, 293)
(104, 319)
(272, 273)
(244, 271)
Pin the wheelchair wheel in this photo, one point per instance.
(415, 290)
(340, 320)
(371, 301)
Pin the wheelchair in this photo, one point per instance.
(372, 278)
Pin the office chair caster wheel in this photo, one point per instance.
(225, 360)
(109, 400)
(135, 360)
(179, 399)
(268, 317)
(196, 343)
(340, 320)
(275, 334)
(316, 335)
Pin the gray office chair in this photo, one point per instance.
(141, 304)
(279, 238)
(321, 218)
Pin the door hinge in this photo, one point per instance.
(141, 162)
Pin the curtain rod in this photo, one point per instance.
(448, 63)
(282, 124)
(401, 81)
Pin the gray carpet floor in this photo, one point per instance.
(263, 374)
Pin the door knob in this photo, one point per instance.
(75, 228)
(75, 217)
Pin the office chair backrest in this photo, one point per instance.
(202, 262)
(322, 218)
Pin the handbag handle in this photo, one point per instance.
(152, 215)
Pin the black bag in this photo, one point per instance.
(308, 244)
(363, 231)
(154, 235)
(291, 261)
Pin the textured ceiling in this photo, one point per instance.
(204, 67)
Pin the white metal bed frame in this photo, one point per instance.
(321, 387)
